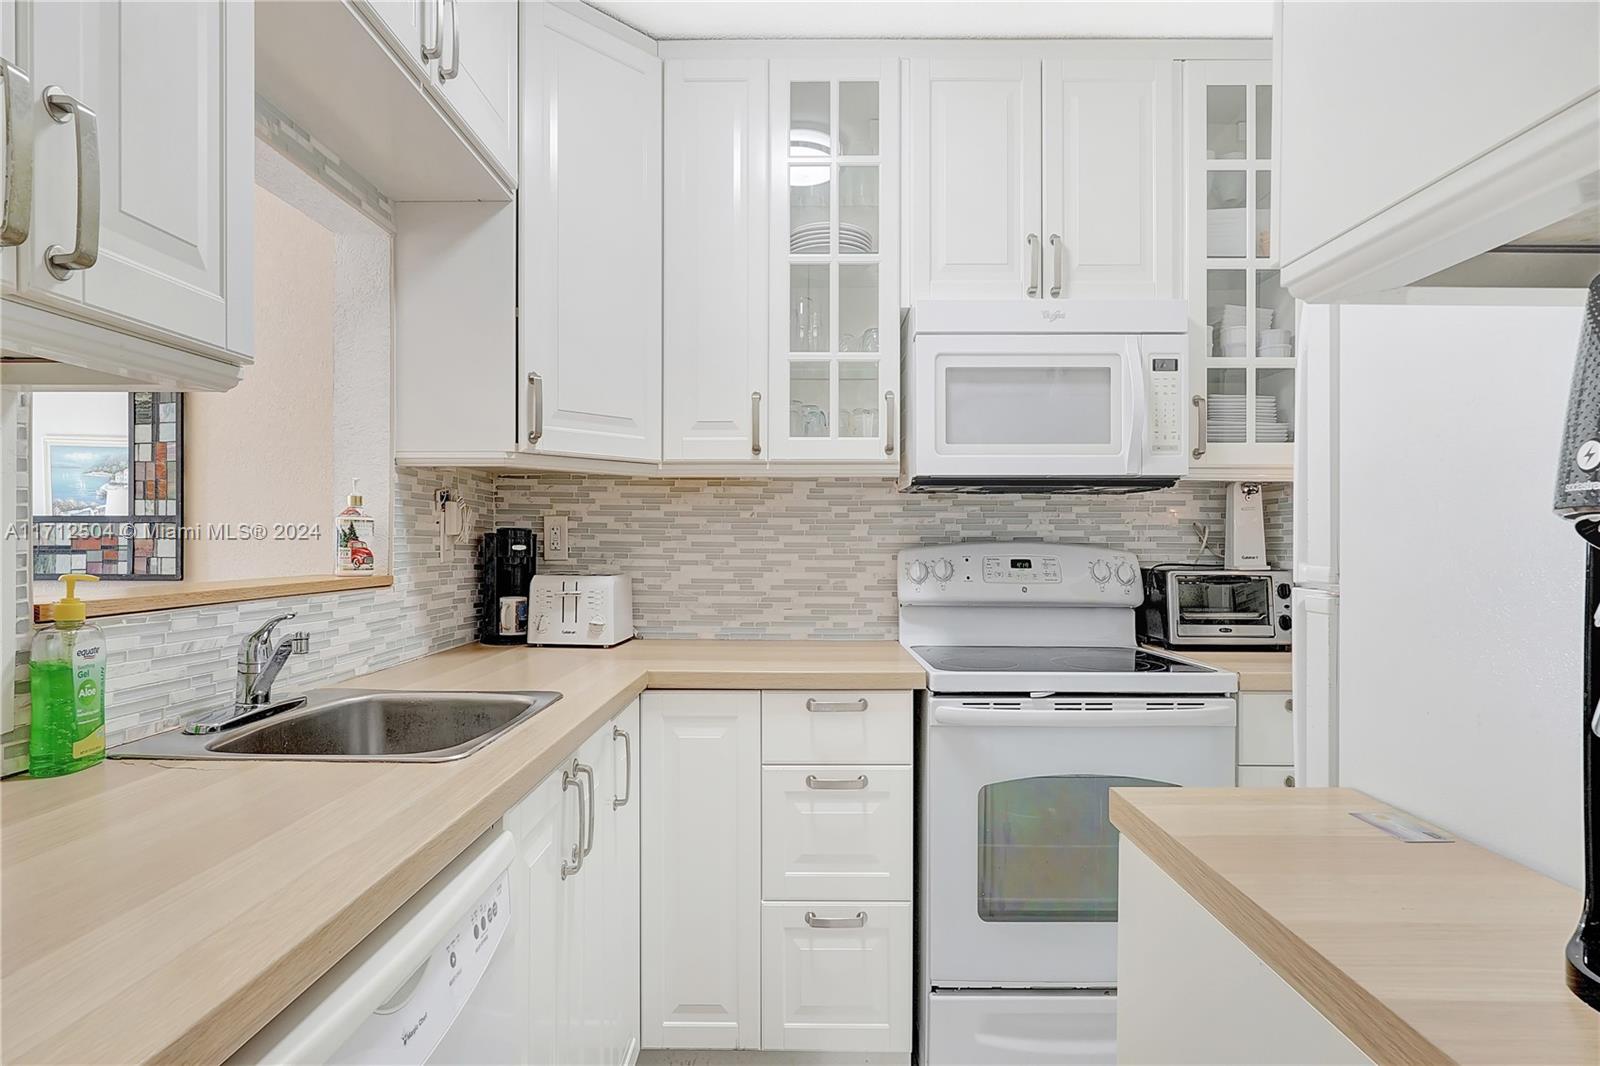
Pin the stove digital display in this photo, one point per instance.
(1022, 564)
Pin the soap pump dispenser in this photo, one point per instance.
(67, 689)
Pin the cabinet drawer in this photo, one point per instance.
(836, 727)
(836, 977)
(836, 832)
(1266, 777)
(1266, 729)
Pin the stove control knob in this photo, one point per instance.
(917, 572)
(1127, 573)
(1100, 570)
(944, 570)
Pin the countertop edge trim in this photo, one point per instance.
(1365, 1020)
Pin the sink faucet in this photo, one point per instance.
(258, 664)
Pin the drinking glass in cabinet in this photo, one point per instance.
(858, 210)
(810, 230)
(1225, 307)
(1225, 122)
(810, 329)
(1226, 396)
(1263, 122)
(1225, 214)
(858, 399)
(808, 398)
(858, 307)
(810, 132)
(1263, 214)
(858, 118)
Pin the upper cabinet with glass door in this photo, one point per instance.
(835, 323)
(1244, 367)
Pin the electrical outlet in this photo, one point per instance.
(555, 537)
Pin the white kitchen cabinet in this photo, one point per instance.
(1190, 991)
(1267, 776)
(590, 243)
(1109, 176)
(411, 26)
(476, 72)
(835, 309)
(1243, 366)
(579, 915)
(836, 977)
(714, 345)
(701, 888)
(974, 150)
(140, 266)
(1045, 175)
(836, 832)
(1266, 729)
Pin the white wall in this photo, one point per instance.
(1461, 592)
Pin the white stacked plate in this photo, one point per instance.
(812, 239)
(1225, 419)
(1234, 315)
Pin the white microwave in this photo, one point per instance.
(1069, 396)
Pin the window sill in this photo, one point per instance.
(106, 598)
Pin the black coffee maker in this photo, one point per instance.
(505, 570)
(1578, 498)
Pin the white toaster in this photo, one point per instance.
(593, 611)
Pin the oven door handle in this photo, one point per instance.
(1216, 712)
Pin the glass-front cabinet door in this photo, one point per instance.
(835, 241)
(1243, 350)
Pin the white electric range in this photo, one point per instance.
(1039, 702)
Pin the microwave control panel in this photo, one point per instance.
(1166, 404)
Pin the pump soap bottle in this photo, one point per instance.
(67, 686)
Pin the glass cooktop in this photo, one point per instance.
(958, 659)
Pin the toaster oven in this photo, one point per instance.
(1198, 607)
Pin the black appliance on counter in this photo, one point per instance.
(506, 564)
(1578, 498)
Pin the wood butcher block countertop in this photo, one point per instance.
(1418, 953)
(167, 910)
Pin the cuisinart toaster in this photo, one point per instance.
(593, 611)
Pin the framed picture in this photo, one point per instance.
(111, 504)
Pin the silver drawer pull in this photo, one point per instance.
(857, 922)
(86, 245)
(755, 423)
(536, 407)
(824, 707)
(19, 155)
(849, 784)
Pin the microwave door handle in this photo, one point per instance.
(1138, 401)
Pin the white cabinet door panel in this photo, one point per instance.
(479, 43)
(1108, 178)
(836, 977)
(621, 804)
(836, 727)
(715, 284)
(402, 21)
(974, 158)
(701, 886)
(591, 241)
(836, 832)
(546, 825)
(1266, 729)
(1266, 777)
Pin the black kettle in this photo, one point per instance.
(1578, 498)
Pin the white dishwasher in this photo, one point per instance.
(437, 982)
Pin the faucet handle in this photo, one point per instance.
(300, 643)
(264, 631)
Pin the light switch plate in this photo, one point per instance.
(555, 537)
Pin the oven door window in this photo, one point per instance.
(1047, 851)
(1224, 603)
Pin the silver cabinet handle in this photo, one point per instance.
(755, 423)
(588, 837)
(446, 73)
(19, 155)
(86, 247)
(890, 431)
(1288, 782)
(431, 51)
(1035, 263)
(824, 707)
(848, 784)
(569, 779)
(836, 923)
(1199, 450)
(627, 767)
(1057, 247)
(1288, 705)
(536, 403)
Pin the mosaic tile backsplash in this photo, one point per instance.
(815, 558)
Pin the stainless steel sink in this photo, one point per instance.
(358, 725)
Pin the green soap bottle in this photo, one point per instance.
(67, 690)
